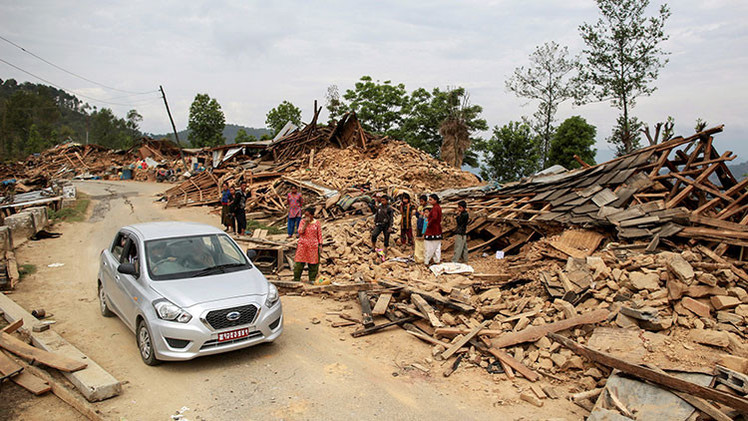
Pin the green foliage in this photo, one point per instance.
(573, 137)
(255, 225)
(700, 125)
(425, 111)
(377, 104)
(623, 58)
(26, 269)
(282, 114)
(75, 213)
(243, 137)
(626, 133)
(510, 154)
(34, 117)
(206, 122)
(548, 80)
(334, 105)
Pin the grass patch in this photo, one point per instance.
(26, 270)
(256, 225)
(75, 213)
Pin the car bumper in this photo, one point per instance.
(202, 340)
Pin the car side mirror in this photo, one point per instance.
(127, 269)
(251, 254)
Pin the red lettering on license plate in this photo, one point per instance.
(234, 334)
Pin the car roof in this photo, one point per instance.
(169, 229)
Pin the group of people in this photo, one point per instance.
(233, 204)
(428, 239)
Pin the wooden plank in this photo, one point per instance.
(367, 317)
(736, 402)
(377, 328)
(698, 403)
(382, 303)
(712, 255)
(517, 366)
(66, 395)
(27, 351)
(13, 326)
(464, 340)
(426, 309)
(24, 379)
(533, 333)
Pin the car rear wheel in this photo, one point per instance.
(145, 345)
(102, 303)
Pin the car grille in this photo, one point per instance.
(177, 343)
(214, 342)
(217, 318)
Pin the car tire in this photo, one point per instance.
(145, 344)
(103, 307)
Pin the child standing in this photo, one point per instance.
(406, 225)
(433, 233)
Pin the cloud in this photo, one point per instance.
(251, 56)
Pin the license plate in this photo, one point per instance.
(234, 334)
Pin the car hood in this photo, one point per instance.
(190, 291)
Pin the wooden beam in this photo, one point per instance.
(687, 190)
(533, 333)
(28, 352)
(13, 326)
(24, 379)
(382, 303)
(376, 328)
(670, 382)
(464, 340)
(426, 309)
(517, 366)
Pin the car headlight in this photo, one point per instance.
(272, 295)
(171, 312)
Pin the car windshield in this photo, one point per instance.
(187, 257)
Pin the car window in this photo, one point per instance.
(183, 257)
(229, 250)
(132, 255)
(118, 246)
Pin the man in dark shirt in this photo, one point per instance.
(237, 206)
(382, 223)
(461, 249)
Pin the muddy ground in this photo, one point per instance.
(313, 371)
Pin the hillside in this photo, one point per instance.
(229, 132)
(739, 170)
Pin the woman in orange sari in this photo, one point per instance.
(307, 250)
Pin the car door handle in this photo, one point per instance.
(116, 277)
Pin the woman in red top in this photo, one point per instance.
(307, 250)
(433, 234)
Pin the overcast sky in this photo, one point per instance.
(251, 55)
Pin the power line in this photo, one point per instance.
(71, 73)
(69, 90)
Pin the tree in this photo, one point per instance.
(573, 137)
(549, 81)
(634, 127)
(510, 154)
(206, 122)
(243, 137)
(424, 113)
(456, 128)
(663, 131)
(133, 122)
(334, 105)
(377, 104)
(623, 58)
(282, 114)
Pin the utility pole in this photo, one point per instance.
(176, 136)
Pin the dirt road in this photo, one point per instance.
(312, 372)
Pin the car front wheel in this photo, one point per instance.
(145, 344)
(103, 307)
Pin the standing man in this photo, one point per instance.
(461, 249)
(295, 202)
(239, 204)
(382, 223)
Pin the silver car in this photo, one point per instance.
(186, 290)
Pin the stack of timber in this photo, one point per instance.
(677, 191)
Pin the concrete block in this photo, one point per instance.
(21, 227)
(6, 241)
(95, 383)
(41, 217)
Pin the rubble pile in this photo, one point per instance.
(334, 167)
(633, 265)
